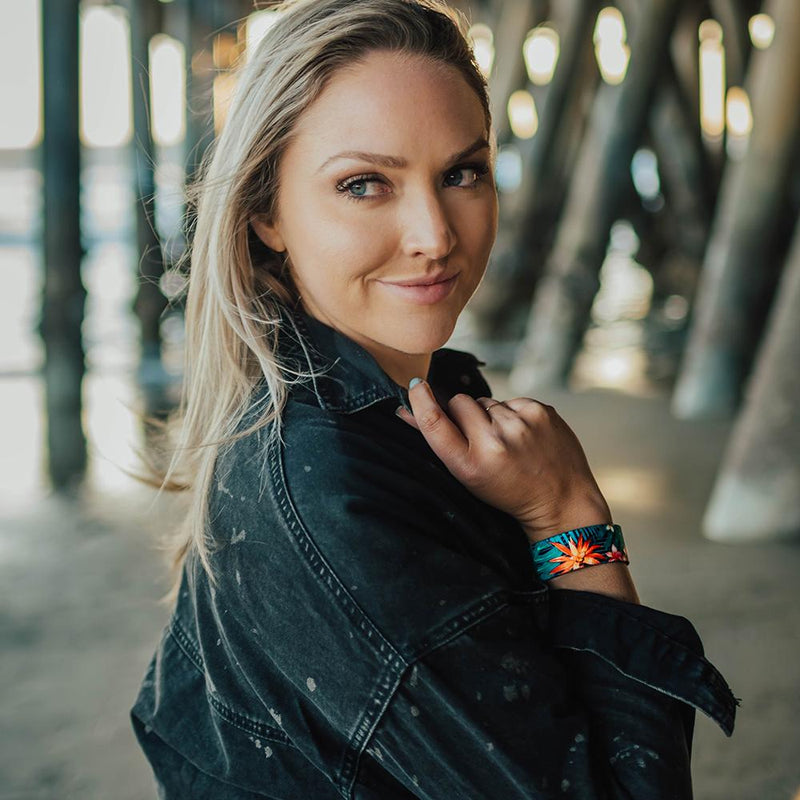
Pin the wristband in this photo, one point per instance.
(579, 548)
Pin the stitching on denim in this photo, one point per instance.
(452, 628)
(635, 619)
(186, 644)
(324, 396)
(354, 762)
(684, 653)
(236, 718)
(319, 564)
(713, 709)
(248, 724)
(392, 659)
(486, 607)
(382, 694)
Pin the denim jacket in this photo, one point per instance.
(379, 633)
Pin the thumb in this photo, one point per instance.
(442, 434)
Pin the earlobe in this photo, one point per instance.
(268, 233)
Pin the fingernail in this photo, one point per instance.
(398, 410)
(413, 382)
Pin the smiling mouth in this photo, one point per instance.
(423, 281)
(423, 293)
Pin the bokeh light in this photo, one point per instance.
(762, 30)
(522, 114)
(712, 79)
(483, 46)
(541, 50)
(611, 51)
(105, 77)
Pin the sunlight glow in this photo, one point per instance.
(20, 75)
(762, 30)
(483, 46)
(258, 23)
(541, 51)
(611, 51)
(168, 88)
(712, 79)
(738, 112)
(105, 77)
(522, 114)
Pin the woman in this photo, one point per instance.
(358, 611)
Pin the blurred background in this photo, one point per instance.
(645, 281)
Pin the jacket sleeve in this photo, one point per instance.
(500, 691)
(580, 696)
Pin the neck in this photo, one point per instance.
(402, 367)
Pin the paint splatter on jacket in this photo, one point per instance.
(379, 633)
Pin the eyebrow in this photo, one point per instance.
(396, 162)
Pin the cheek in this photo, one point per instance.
(316, 227)
(477, 225)
(335, 253)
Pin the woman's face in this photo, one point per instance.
(387, 180)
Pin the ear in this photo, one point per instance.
(268, 233)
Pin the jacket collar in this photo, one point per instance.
(347, 378)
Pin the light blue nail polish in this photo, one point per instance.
(413, 382)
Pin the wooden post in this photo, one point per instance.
(514, 19)
(757, 493)
(563, 301)
(150, 302)
(64, 294)
(731, 15)
(528, 214)
(738, 273)
(687, 182)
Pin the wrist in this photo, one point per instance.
(579, 518)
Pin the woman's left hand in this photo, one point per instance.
(518, 456)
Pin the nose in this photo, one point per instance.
(427, 228)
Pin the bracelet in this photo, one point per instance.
(579, 548)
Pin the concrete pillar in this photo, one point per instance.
(738, 274)
(528, 213)
(757, 493)
(514, 18)
(64, 295)
(563, 301)
(145, 22)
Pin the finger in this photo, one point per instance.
(469, 415)
(406, 416)
(442, 434)
(497, 411)
(518, 403)
(530, 409)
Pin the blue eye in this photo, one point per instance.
(356, 188)
(478, 170)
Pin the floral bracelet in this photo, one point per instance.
(579, 548)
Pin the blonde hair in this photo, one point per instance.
(237, 285)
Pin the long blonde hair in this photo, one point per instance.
(236, 284)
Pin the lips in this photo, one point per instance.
(424, 280)
(424, 290)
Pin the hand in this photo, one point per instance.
(518, 456)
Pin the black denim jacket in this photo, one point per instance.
(379, 633)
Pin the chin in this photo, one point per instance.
(418, 337)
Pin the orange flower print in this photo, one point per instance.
(576, 555)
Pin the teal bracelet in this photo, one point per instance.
(582, 547)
